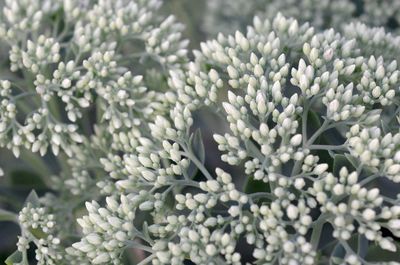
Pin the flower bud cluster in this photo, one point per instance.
(80, 179)
(80, 61)
(106, 230)
(361, 211)
(339, 103)
(373, 39)
(378, 82)
(376, 150)
(39, 226)
(203, 243)
(265, 133)
(273, 229)
(36, 56)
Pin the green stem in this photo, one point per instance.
(304, 121)
(196, 161)
(8, 216)
(328, 147)
(136, 245)
(320, 131)
(316, 233)
(186, 183)
(146, 260)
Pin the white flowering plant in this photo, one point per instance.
(278, 144)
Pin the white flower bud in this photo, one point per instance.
(321, 168)
(394, 169)
(232, 72)
(258, 70)
(333, 106)
(213, 185)
(296, 140)
(394, 224)
(368, 214)
(211, 250)
(94, 239)
(292, 212)
(387, 244)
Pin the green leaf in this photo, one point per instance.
(253, 186)
(352, 160)
(362, 246)
(26, 179)
(15, 258)
(332, 137)
(33, 199)
(37, 165)
(7, 215)
(325, 157)
(196, 143)
(145, 229)
(253, 150)
(313, 123)
(338, 254)
(375, 253)
(385, 127)
(340, 161)
(196, 146)
(38, 233)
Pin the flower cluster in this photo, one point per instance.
(39, 226)
(61, 69)
(105, 229)
(271, 131)
(307, 135)
(280, 108)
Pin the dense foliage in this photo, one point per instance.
(274, 144)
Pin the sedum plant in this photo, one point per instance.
(307, 138)
(304, 128)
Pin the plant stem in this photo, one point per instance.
(316, 233)
(197, 162)
(146, 260)
(328, 147)
(304, 121)
(322, 129)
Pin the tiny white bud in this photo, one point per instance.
(296, 140)
(321, 168)
(292, 212)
